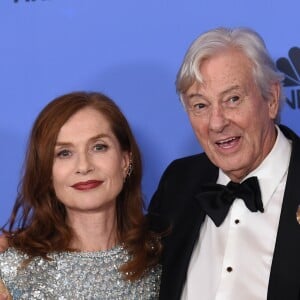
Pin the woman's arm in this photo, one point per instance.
(3, 244)
(4, 293)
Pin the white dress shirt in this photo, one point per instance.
(233, 261)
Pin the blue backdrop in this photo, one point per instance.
(130, 50)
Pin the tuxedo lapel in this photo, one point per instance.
(285, 271)
(177, 255)
(175, 201)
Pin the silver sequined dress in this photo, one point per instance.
(75, 275)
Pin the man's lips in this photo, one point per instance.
(87, 185)
(228, 143)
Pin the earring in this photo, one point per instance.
(130, 169)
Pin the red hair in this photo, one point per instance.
(38, 224)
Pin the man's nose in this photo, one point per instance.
(217, 118)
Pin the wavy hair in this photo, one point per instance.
(38, 224)
(213, 42)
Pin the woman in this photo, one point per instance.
(77, 229)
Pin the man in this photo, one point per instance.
(222, 244)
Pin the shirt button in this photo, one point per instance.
(229, 269)
(237, 221)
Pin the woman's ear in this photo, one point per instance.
(128, 165)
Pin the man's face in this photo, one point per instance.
(230, 118)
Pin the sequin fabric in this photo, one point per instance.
(75, 275)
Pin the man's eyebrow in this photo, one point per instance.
(228, 90)
(194, 95)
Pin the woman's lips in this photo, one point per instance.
(86, 185)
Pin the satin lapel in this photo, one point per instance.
(285, 271)
(178, 251)
(180, 244)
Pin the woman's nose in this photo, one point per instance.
(84, 165)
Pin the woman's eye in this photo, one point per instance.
(100, 147)
(63, 153)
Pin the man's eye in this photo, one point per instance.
(63, 153)
(198, 106)
(234, 99)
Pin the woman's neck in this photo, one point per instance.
(93, 232)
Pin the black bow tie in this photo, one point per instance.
(216, 199)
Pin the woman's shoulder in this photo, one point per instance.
(10, 260)
(12, 253)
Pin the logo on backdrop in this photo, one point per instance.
(290, 67)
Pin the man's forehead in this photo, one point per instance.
(201, 89)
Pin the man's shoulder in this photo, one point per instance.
(190, 166)
(193, 161)
(289, 133)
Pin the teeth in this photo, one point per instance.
(226, 141)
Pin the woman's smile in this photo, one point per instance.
(87, 185)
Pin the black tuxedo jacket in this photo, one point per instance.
(174, 205)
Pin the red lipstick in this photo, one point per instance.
(86, 185)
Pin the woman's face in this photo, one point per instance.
(89, 166)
